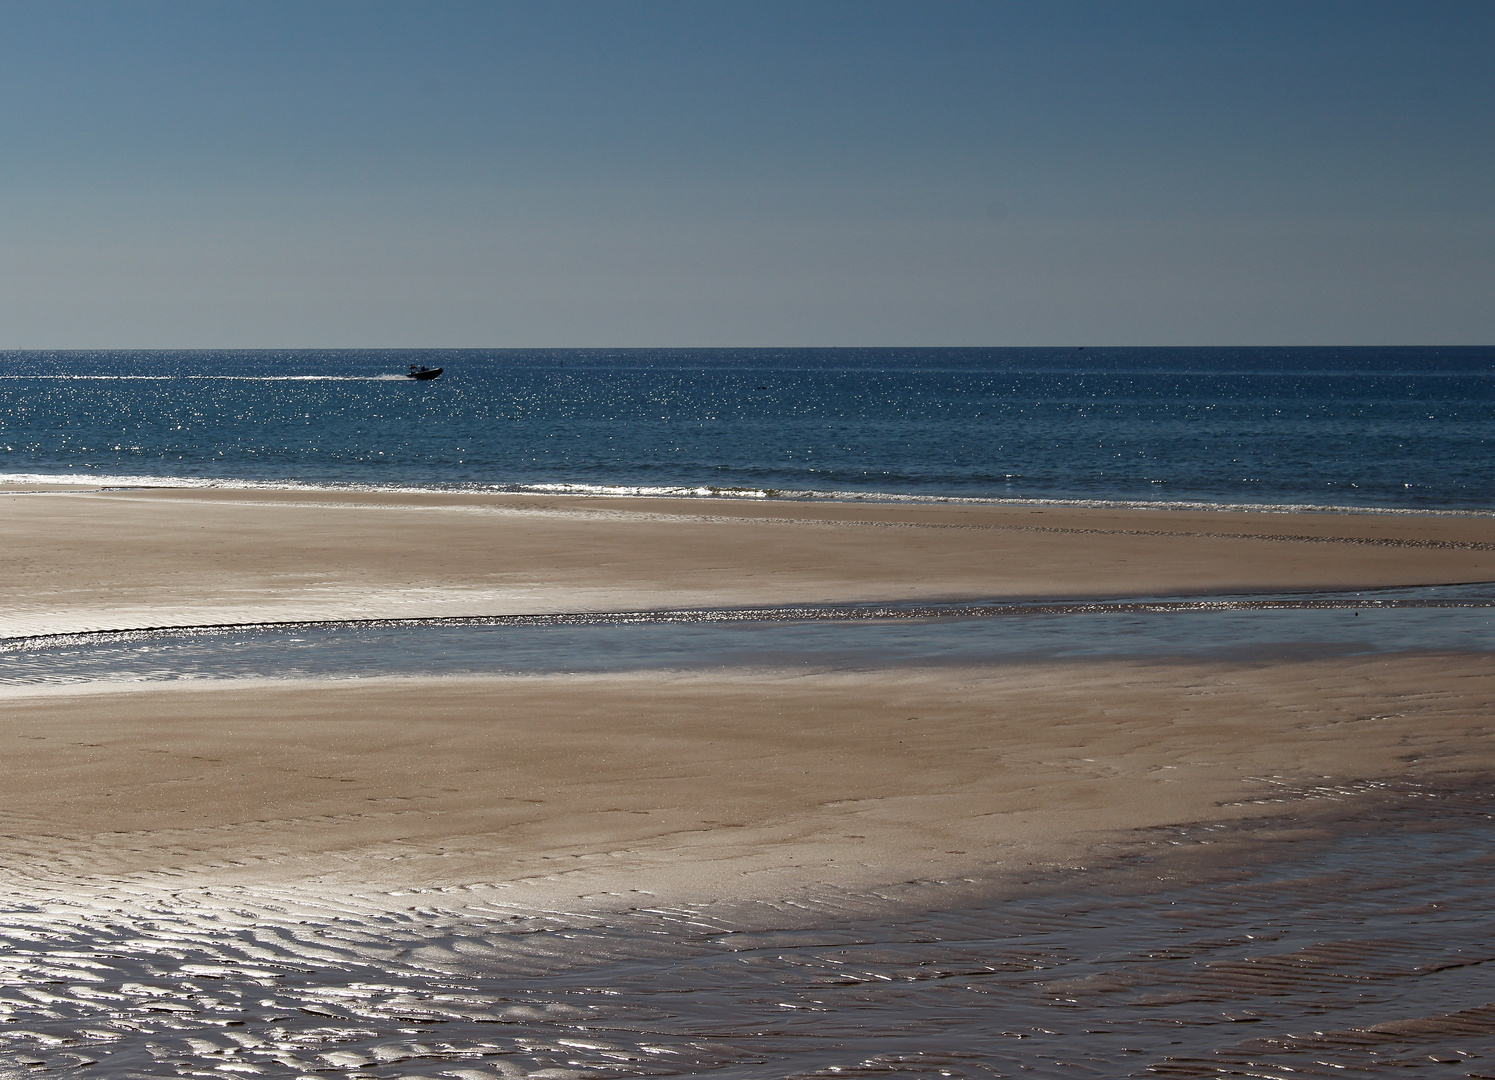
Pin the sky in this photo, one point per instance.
(612, 173)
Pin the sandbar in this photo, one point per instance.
(607, 790)
(120, 559)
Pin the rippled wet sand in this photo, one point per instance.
(1362, 949)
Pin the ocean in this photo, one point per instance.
(1399, 429)
(1357, 946)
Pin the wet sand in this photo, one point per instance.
(1362, 952)
(81, 559)
(605, 790)
(396, 875)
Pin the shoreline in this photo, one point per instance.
(41, 483)
(1229, 813)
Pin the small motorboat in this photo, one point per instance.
(422, 372)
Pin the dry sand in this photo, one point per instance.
(687, 787)
(136, 558)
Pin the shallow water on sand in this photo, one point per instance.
(852, 637)
(1366, 950)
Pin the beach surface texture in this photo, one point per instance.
(688, 786)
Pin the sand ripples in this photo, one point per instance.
(1361, 954)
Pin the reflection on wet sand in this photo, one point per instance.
(1354, 949)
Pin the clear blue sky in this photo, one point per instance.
(326, 173)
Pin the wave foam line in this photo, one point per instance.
(709, 492)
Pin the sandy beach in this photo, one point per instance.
(690, 786)
(85, 560)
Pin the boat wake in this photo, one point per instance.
(203, 378)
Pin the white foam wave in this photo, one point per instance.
(711, 492)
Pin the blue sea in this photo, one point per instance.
(1392, 428)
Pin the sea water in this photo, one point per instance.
(1370, 428)
(830, 637)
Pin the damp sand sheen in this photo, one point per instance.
(503, 875)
